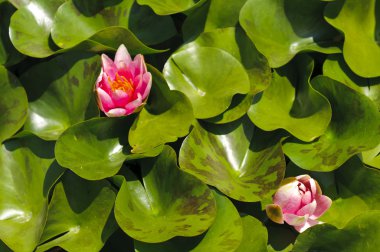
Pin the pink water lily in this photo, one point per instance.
(299, 202)
(123, 84)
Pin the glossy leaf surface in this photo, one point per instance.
(27, 172)
(209, 77)
(282, 28)
(344, 136)
(80, 215)
(13, 104)
(167, 116)
(172, 202)
(240, 160)
(292, 103)
(360, 26)
(60, 93)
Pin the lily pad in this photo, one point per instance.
(27, 172)
(31, 25)
(282, 28)
(208, 76)
(236, 43)
(60, 92)
(226, 233)
(255, 235)
(357, 21)
(167, 116)
(345, 136)
(167, 7)
(292, 103)
(166, 203)
(336, 68)
(13, 104)
(239, 159)
(96, 149)
(80, 215)
(8, 53)
(361, 233)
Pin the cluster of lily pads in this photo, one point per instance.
(244, 93)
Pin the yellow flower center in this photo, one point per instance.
(121, 83)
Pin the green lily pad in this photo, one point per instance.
(60, 92)
(167, 7)
(13, 104)
(8, 53)
(236, 43)
(240, 160)
(31, 25)
(354, 128)
(282, 28)
(27, 172)
(96, 149)
(167, 203)
(167, 116)
(208, 76)
(149, 27)
(336, 68)
(80, 215)
(292, 103)
(226, 232)
(372, 157)
(361, 233)
(255, 235)
(212, 15)
(357, 21)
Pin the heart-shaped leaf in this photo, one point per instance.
(282, 28)
(60, 92)
(167, 203)
(292, 103)
(96, 149)
(27, 172)
(210, 77)
(167, 7)
(31, 25)
(13, 104)
(80, 215)
(240, 160)
(347, 133)
(357, 21)
(167, 116)
(360, 233)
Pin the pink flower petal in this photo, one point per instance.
(109, 68)
(295, 220)
(307, 209)
(139, 63)
(288, 197)
(116, 112)
(323, 203)
(120, 98)
(122, 57)
(104, 100)
(306, 198)
(103, 83)
(132, 106)
(306, 225)
(147, 82)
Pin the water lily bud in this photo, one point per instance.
(123, 84)
(299, 202)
